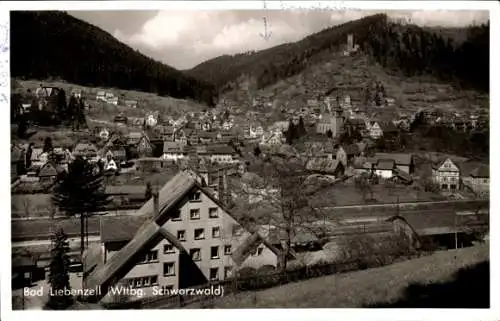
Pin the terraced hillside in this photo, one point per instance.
(334, 74)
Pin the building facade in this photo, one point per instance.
(447, 175)
(191, 241)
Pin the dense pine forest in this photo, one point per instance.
(406, 49)
(54, 44)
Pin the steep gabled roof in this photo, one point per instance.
(483, 171)
(118, 228)
(251, 243)
(399, 158)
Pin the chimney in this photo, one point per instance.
(156, 203)
(220, 184)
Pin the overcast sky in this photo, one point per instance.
(183, 39)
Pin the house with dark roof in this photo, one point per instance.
(47, 173)
(448, 229)
(17, 161)
(174, 151)
(475, 176)
(86, 150)
(347, 153)
(326, 166)
(384, 168)
(221, 154)
(180, 238)
(402, 161)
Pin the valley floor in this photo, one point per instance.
(443, 280)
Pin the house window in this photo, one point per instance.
(195, 254)
(195, 213)
(195, 197)
(228, 271)
(213, 212)
(216, 232)
(227, 249)
(214, 252)
(146, 281)
(138, 282)
(181, 235)
(260, 250)
(168, 268)
(214, 274)
(149, 257)
(154, 280)
(444, 186)
(176, 216)
(199, 234)
(453, 186)
(166, 288)
(485, 181)
(168, 248)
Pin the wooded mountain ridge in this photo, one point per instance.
(459, 55)
(55, 44)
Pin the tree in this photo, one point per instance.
(22, 126)
(291, 133)
(364, 186)
(29, 152)
(47, 145)
(149, 191)
(282, 195)
(59, 273)
(301, 129)
(257, 151)
(80, 192)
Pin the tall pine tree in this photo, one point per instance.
(59, 273)
(81, 192)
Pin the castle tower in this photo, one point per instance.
(350, 42)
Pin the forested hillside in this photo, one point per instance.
(406, 49)
(54, 44)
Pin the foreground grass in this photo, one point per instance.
(378, 287)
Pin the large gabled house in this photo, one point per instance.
(141, 143)
(181, 238)
(446, 174)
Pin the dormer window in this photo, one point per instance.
(195, 197)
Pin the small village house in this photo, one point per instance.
(117, 153)
(130, 103)
(384, 168)
(86, 150)
(375, 130)
(101, 96)
(174, 151)
(346, 154)
(38, 158)
(221, 154)
(17, 161)
(402, 161)
(446, 174)
(144, 147)
(47, 173)
(476, 177)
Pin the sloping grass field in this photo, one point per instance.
(455, 278)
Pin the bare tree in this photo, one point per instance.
(282, 195)
(363, 185)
